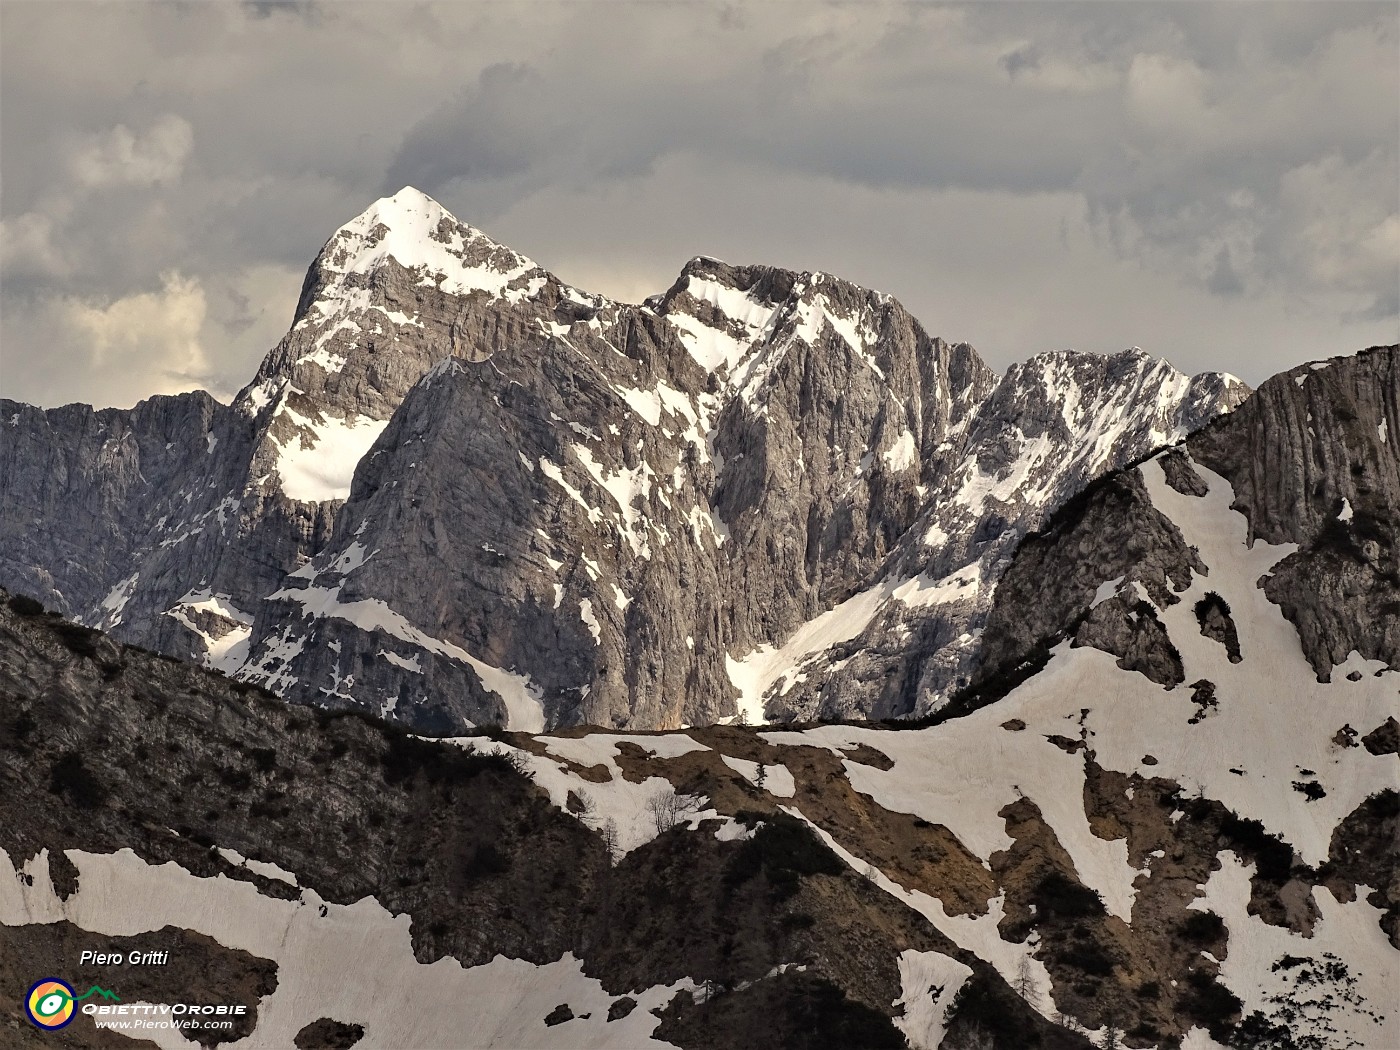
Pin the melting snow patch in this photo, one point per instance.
(755, 674)
(399, 662)
(617, 799)
(903, 455)
(777, 779)
(928, 982)
(963, 584)
(116, 600)
(1106, 590)
(714, 348)
(585, 612)
(259, 867)
(227, 650)
(1324, 1000)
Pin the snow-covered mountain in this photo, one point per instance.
(461, 492)
(1162, 812)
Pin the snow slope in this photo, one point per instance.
(400, 1002)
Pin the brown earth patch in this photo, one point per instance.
(915, 853)
(1384, 739)
(868, 756)
(326, 1033)
(594, 774)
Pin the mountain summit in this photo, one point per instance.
(460, 491)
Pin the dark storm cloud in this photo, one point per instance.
(1215, 182)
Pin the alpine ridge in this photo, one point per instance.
(462, 492)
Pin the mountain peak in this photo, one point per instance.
(409, 211)
(420, 234)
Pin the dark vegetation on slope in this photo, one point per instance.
(326, 1033)
(462, 841)
(1213, 614)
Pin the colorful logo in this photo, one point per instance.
(50, 1003)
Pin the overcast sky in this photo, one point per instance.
(1217, 183)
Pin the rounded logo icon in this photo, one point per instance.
(50, 1003)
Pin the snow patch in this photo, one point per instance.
(757, 672)
(585, 612)
(777, 778)
(903, 455)
(1350, 933)
(398, 661)
(320, 466)
(264, 868)
(928, 982)
(1106, 590)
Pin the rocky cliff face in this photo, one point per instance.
(461, 491)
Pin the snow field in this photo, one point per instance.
(1274, 721)
(777, 779)
(1351, 932)
(321, 466)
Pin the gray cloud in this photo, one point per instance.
(1215, 182)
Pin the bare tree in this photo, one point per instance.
(970, 1038)
(610, 840)
(668, 809)
(1024, 985)
(581, 804)
(663, 809)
